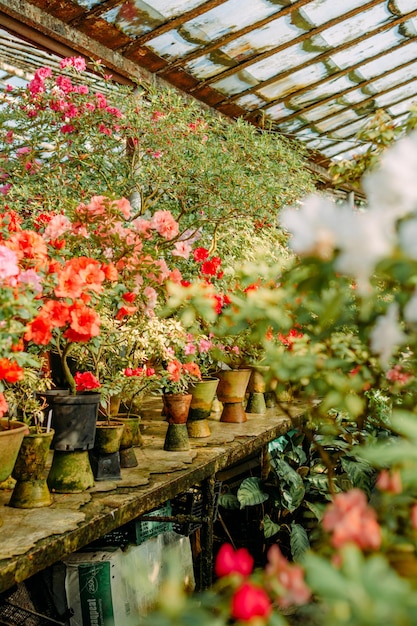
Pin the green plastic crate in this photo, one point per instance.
(147, 529)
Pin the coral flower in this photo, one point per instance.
(352, 520)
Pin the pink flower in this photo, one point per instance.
(4, 189)
(389, 481)
(124, 207)
(58, 225)
(77, 62)
(32, 278)
(8, 263)
(250, 601)
(42, 73)
(3, 405)
(205, 345)
(165, 225)
(23, 151)
(351, 520)
(290, 576)
(64, 83)
(181, 249)
(230, 561)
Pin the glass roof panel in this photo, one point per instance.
(293, 82)
(321, 11)
(322, 91)
(236, 83)
(392, 59)
(363, 22)
(222, 20)
(396, 95)
(365, 49)
(276, 33)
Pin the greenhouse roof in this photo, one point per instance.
(313, 69)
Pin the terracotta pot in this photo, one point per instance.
(11, 437)
(31, 489)
(176, 408)
(231, 393)
(203, 394)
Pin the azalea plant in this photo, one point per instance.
(20, 278)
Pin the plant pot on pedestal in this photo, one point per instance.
(11, 437)
(129, 438)
(74, 419)
(256, 388)
(176, 408)
(231, 393)
(203, 393)
(105, 455)
(31, 489)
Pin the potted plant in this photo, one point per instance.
(25, 403)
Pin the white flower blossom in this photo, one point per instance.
(407, 238)
(410, 309)
(387, 335)
(365, 240)
(314, 227)
(392, 187)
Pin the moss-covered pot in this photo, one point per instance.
(31, 489)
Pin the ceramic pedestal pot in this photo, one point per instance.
(74, 419)
(256, 388)
(231, 393)
(129, 439)
(176, 408)
(105, 456)
(203, 393)
(31, 489)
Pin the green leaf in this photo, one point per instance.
(250, 492)
(291, 486)
(298, 541)
(270, 527)
(229, 501)
(359, 472)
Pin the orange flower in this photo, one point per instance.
(174, 370)
(39, 331)
(10, 371)
(84, 321)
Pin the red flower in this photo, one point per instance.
(86, 381)
(200, 254)
(229, 561)
(211, 267)
(129, 296)
(250, 601)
